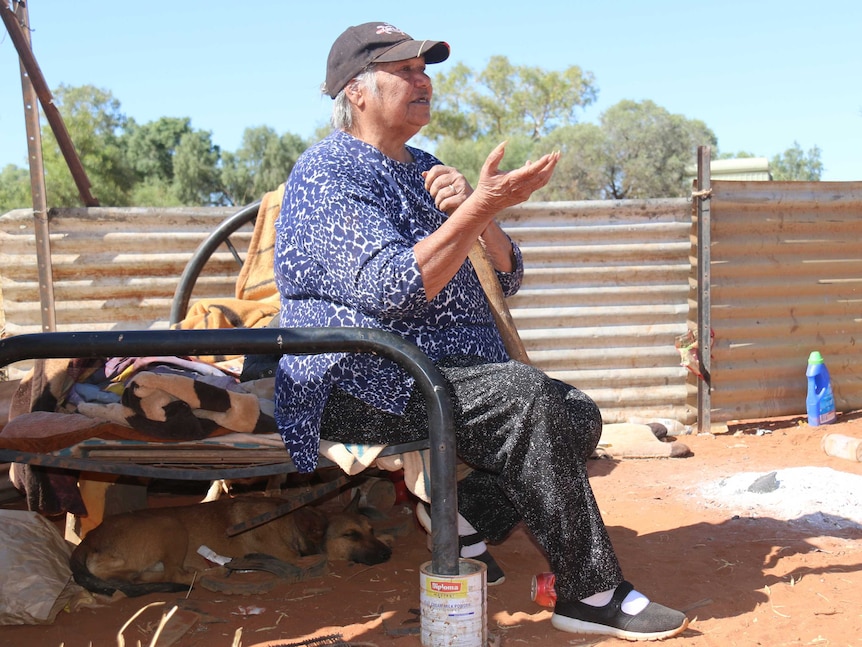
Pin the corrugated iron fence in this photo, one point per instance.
(113, 268)
(604, 298)
(786, 279)
(607, 290)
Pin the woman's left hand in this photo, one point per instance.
(447, 186)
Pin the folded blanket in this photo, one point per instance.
(179, 407)
(256, 281)
(62, 402)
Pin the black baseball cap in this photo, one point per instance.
(374, 42)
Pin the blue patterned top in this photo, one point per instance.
(344, 257)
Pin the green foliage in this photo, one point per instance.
(196, 175)
(161, 163)
(473, 112)
(151, 147)
(582, 171)
(796, 165)
(505, 100)
(14, 188)
(153, 192)
(639, 150)
(95, 125)
(650, 148)
(732, 156)
(262, 162)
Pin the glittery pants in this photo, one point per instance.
(528, 438)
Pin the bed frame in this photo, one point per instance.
(199, 463)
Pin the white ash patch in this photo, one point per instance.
(816, 496)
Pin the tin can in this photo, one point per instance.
(454, 608)
(542, 589)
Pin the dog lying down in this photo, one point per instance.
(155, 550)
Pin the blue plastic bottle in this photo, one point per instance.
(820, 401)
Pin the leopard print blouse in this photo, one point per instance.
(344, 257)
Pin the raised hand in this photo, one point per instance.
(498, 189)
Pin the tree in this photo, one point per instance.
(161, 163)
(505, 100)
(196, 175)
(796, 165)
(150, 149)
(95, 125)
(473, 112)
(263, 161)
(583, 170)
(733, 156)
(14, 188)
(639, 150)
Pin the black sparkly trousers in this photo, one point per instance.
(527, 438)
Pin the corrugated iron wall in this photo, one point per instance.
(604, 296)
(786, 279)
(606, 291)
(604, 299)
(113, 268)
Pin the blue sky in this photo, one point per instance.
(762, 74)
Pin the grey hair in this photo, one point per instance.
(342, 110)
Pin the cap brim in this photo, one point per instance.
(433, 51)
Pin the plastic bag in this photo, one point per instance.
(37, 582)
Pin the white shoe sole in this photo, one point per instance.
(572, 625)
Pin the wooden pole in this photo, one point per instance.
(499, 308)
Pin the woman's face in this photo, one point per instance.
(403, 99)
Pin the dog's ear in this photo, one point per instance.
(353, 506)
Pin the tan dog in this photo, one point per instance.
(155, 550)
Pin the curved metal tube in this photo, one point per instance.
(193, 269)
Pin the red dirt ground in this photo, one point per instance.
(743, 580)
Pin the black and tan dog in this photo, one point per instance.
(155, 550)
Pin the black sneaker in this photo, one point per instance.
(495, 574)
(653, 623)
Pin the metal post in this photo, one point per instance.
(52, 114)
(704, 321)
(37, 185)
